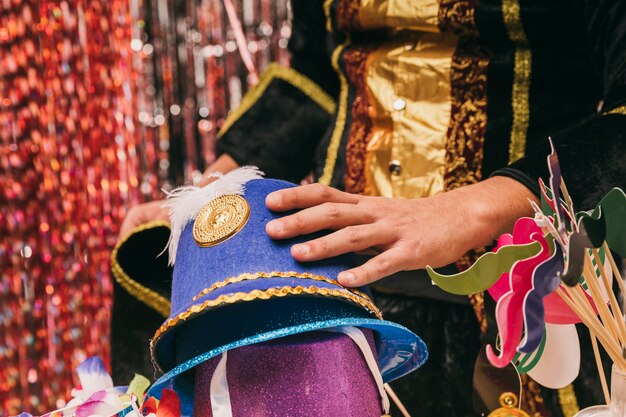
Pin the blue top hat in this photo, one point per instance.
(234, 286)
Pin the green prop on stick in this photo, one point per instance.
(485, 271)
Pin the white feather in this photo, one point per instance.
(186, 202)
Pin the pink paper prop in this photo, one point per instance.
(521, 236)
(556, 311)
(510, 321)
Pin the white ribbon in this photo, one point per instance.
(359, 338)
(220, 397)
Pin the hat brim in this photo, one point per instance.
(400, 351)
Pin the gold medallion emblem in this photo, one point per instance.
(220, 220)
(508, 402)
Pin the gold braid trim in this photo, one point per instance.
(150, 298)
(521, 78)
(329, 21)
(340, 122)
(617, 110)
(289, 75)
(273, 274)
(259, 295)
(568, 401)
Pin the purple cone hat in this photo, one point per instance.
(234, 287)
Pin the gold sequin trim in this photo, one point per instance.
(259, 295)
(273, 274)
(150, 298)
(617, 110)
(289, 75)
(521, 78)
(568, 401)
(340, 122)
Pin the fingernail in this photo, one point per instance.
(273, 199)
(346, 278)
(303, 249)
(274, 227)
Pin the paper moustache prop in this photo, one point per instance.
(555, 184)
(611, 211)
(576, 251)
(545, 280)
(510, 321)
(485, 271)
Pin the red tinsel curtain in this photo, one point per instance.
(102, 104)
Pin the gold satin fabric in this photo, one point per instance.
(417, 71)
(419, 15)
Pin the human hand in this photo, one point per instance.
(407, 233)
(142, 214)
(155, 210)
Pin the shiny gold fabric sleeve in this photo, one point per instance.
(409, 82)
(419, 15)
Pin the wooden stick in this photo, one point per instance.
(596, 353)
(607, 317)
(568, 201)
(616, 273)
(618, 315)
(580, 298)
(396, 400)
(589, 318)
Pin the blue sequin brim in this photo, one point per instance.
(400, 351)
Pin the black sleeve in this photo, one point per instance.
(592, 154)
(282, 119)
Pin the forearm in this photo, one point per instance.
(487, 209)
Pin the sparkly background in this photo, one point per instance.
(102, 104)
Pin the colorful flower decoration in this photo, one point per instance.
(97, 397)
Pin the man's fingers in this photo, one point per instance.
(349, 239)
(307, 196)
(380, 266)
(141, 214)
(324, 216)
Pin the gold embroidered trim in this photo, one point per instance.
(273, 274)
(329, 22)
(340, 122)
(568, 401)
(617, 110)
(293, 77)
(259, 295)
(531, 401)
(521, 78)
(150, 298)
